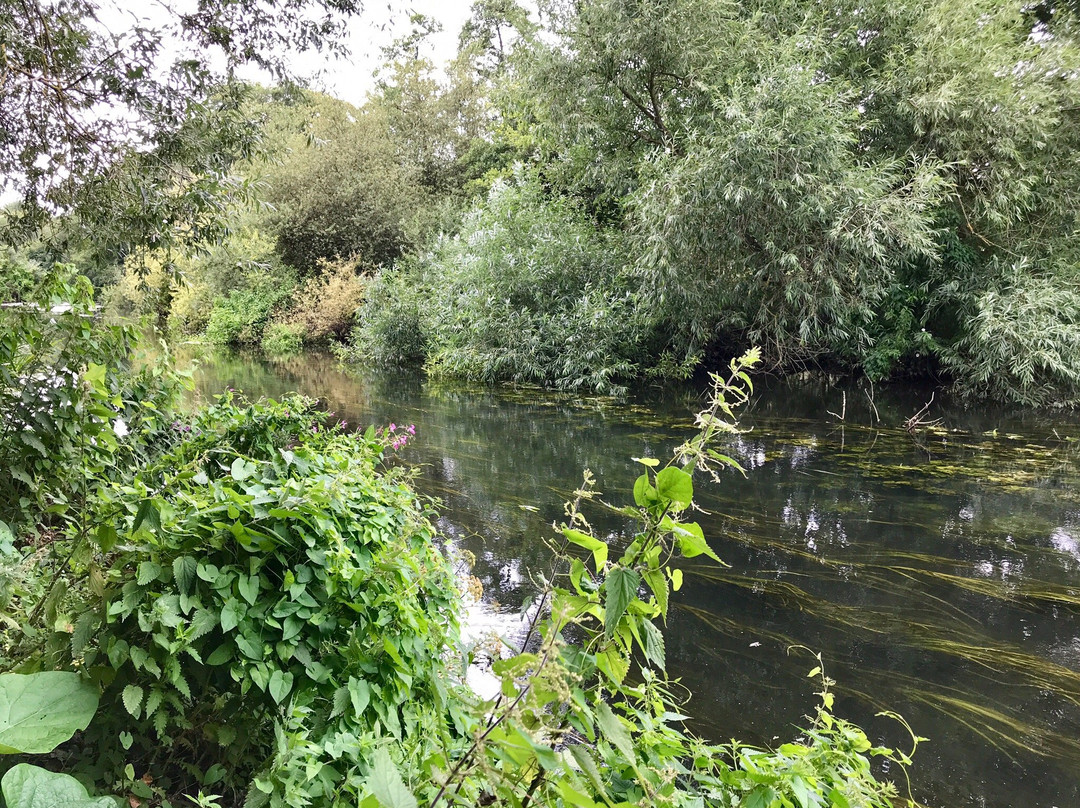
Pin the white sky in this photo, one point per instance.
(349, 79)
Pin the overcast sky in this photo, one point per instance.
(349, 79)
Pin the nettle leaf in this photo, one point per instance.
(26, 786)
(615, 732)
(148, 571)
(386, 784)
(622, 585)
(185, 569)
(133, 696)
(39, 711)
(147, 512)
(654, 643)
(675, 485)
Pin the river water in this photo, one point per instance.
(938, 574)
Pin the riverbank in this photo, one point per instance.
(901, 559)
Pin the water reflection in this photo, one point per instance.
(937, 575)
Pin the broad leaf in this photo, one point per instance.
(184, 571)
(598, 548)
(26, 786)
(39, 711)
(615, 732)
(644, 493)
(281, 683)
(386, 784)
(675, 485)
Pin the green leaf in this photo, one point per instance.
(148, 571)
(614, 664)
(584, 759)
(184, 571)
(651, 462)
(147, 512)
(360, 694)
(691, 539)
(242, 469)
(232, 613)
(39, 711)
(675, 485)
(676, 578)
(657, 582)
(106, 537)
(654, 643)
(644, 493)
(222, 654)
(281, 683)
(386, 784)
(133, 696)
(760, 797)
(249, 587)
(622, 585)
(598, 548)
(26, 786)
(615, 732)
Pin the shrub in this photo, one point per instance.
(261, 571)
(241, 317)
(77, 405)
(530, 291)
(1020, 340)
(281, 339)
(324, 306)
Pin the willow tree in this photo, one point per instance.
(855, 181)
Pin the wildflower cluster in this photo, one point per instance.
(397, 436)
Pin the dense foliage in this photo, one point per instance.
(255, 608)
(887, 187)
(528, 291)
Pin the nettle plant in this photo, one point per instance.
(586, 716)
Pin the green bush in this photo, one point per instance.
(529, 291)
(282, 339)
(262, 571)
(241, 317)
(1020, 340)
(77, 404)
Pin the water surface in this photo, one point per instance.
(938, 573)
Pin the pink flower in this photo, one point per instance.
(393, 427)
(411, 429)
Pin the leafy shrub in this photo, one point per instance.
(261, 571)
(77, 405)
(1020, 341)
(529, 291)
(281, 339)
(241, 317)
(324, 306)
(350, 195)
(391, 327)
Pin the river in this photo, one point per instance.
(938, 573)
